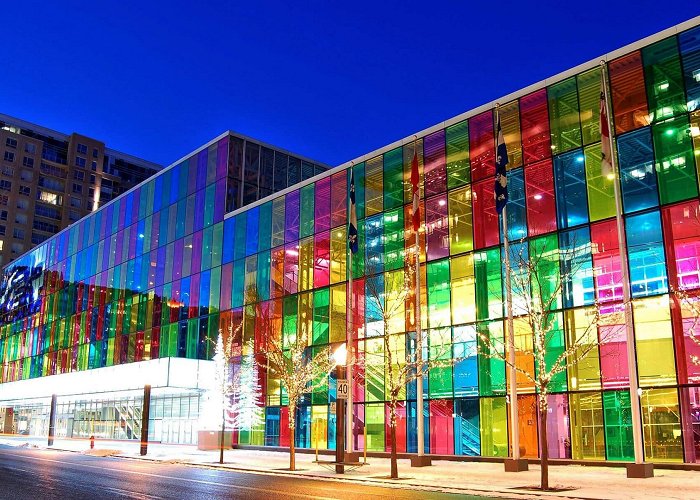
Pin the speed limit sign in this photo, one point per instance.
(342, 392)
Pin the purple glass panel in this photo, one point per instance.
(434, 154)
(558, 440)
(322, 205)
(613, 351)
(202, 158)
(155, 224)
(436, 227)
(199, 199)
(196, 251)
(177, 258)
(221, 158)
(291, 214)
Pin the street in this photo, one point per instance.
(49, 474)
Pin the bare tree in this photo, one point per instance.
(387, 295)
(537, 286)
(299, 369)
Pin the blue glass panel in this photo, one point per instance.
(303, 427)
(690, 55)
(636, 160)
(239, 242)
(374, 244)
(647, 261)
(570, 186)
(272, 426)
(251, 239)
(227, 250)
(517, 218)
(466, 422)
(466, 380)
(265, 226)
(412, 425)
(576, 267)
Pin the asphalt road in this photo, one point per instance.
(48, 474)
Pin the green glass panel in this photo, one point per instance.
(214, 289)
(374, 421)
(277, 222)
(554, 341)
(209, 199)
(493, 427)
(440, 377)
(192, 338)
(544, 254)
(664, 80)
(460, 220)
(489, 296)
(321, 318)
(438, 276)
(619, 442)
(601, 192)
(265, 226)
(457, 137)
(238, 283)
(564, 120)
(492, 371)
(393, 239)
(263, 278)
(289, 314)
(393, 178)
(675, 166)
(207, 240)
(589, 104)
(306, 224)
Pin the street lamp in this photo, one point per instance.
(340, 357)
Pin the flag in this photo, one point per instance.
(606, 169)
(352, 225)
(415, 180)
(500, 189)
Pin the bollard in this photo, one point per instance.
(92, 442)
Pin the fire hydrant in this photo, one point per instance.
(92, 442)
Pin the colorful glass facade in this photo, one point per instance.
(161, 270)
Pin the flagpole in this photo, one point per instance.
(349, 342)
(640, 469)
(514, 465)
(420, 460)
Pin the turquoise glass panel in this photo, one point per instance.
(570, 187)
(647, 261)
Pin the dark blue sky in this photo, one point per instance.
(158, 79)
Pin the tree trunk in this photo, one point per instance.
(544, 450)
(292, 463)
(392, 422)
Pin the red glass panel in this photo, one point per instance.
(606, 261)
(541, 205)
(400, 427)
(628, 94)
(322, 249)
(442, 440)
(482, 146)
(485, 219)
(284, 426)
(534, 120)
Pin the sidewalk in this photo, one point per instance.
(477, 478)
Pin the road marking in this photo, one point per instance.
(198, 481)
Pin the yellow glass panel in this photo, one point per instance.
(463, 293)
(306, 264)
(319, 427)
(524, 356)
(338, 313)
(493, 427)
(587, 429)
(338, 254)
(601, 195)
(654, 339)
(662, 425)
(584, 371)
(460, 220)
(306, 315)
(395, 301)
(273, 391)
